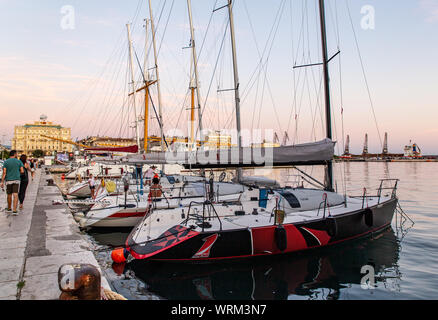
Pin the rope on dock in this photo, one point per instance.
(111, 295)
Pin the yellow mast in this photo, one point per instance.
(146, 110)
(192, 119)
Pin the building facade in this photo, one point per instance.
(31, 137)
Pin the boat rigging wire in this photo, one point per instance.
(364, 73)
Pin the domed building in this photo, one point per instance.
(30, 137)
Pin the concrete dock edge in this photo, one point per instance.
(34, 244)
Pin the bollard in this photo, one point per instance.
(79, 282)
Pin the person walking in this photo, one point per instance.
(12, 168)
(32, 167)
(24, 179)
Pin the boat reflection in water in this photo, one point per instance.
(318, 274)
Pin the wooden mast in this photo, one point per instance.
(147, 84)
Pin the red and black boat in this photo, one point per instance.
(209, 232)
(265, 222)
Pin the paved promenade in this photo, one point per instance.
(34, 244)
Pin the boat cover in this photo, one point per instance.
(316, 153)
(130, 149)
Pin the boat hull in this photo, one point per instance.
(123, 218)
(186, 245)
(80, 191)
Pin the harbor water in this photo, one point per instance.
(396, 264)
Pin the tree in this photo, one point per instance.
(4, 154)
(38, 153)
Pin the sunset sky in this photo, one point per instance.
(78, 77)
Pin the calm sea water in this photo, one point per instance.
(405, 259)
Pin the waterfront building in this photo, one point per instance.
(31, 137)
(216, 140)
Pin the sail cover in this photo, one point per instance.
(129, 149)
(317, 153)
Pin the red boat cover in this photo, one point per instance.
(130, 149)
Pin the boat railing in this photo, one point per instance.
(392, 188)
(163, 196)
(324, 202)
(207, 204)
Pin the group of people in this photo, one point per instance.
(152, 179)
(16, 174)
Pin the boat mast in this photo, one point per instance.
(236, 85)
(131, 59)
(194, 83)
(329, 176)
(146, 91)
(157, 75)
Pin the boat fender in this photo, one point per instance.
(281, 238)
(369, 220)
(331, 227)
(79, 282)
(119, 255)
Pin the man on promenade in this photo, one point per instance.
(12, 168)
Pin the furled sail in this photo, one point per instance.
(317, 153)
(129, 149)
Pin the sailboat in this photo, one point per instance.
(179, 191)
(266, 221)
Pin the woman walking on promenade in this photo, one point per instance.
(24, 179)
(32, 167)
